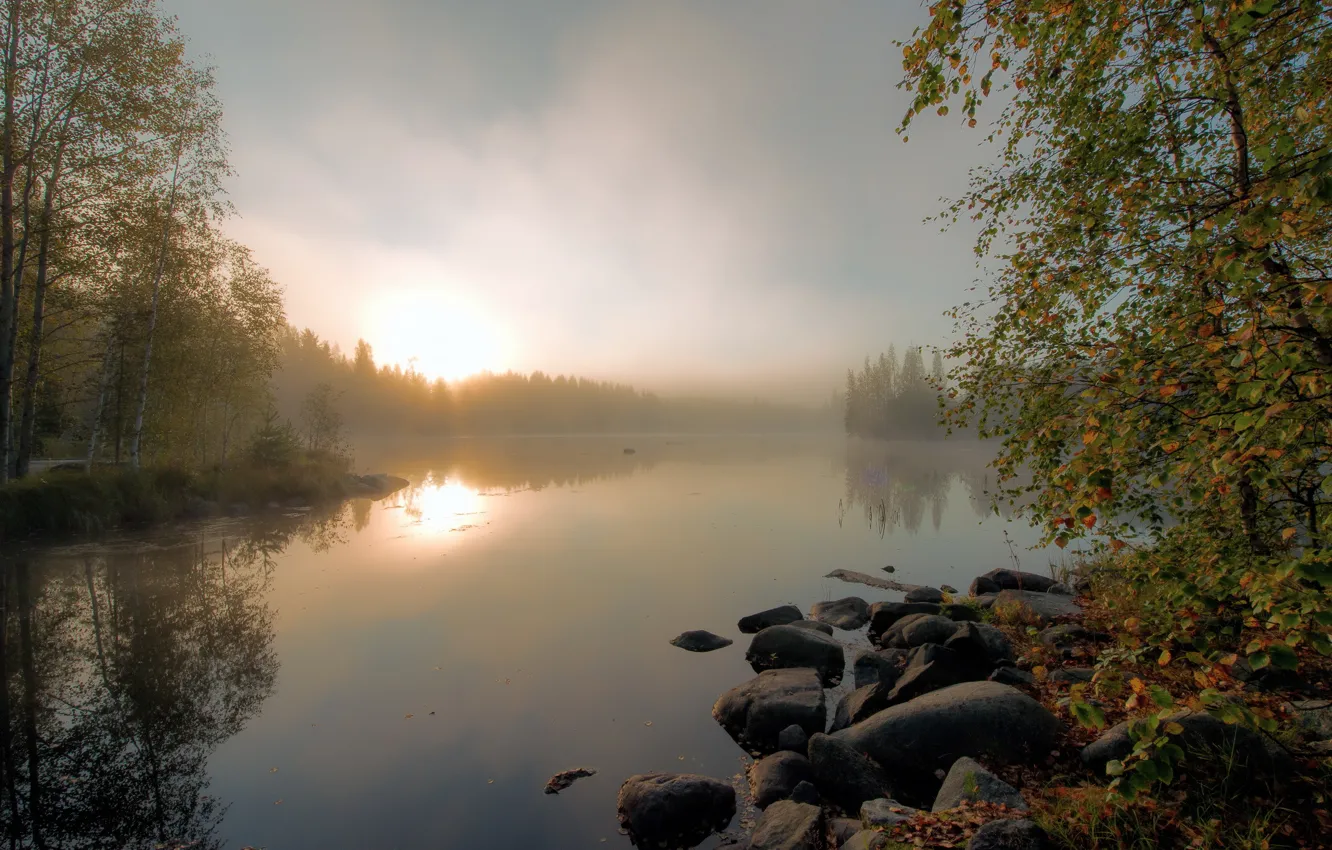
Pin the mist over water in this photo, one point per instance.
(409, 672)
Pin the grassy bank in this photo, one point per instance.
(73, 501)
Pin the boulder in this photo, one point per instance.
(861, 704)
(931, 667)
(849, 613)
(779, 616)
(1040, 607)
(793, 739)
(1072, 675)
(997, 643)
(814, 625)
(925, 594)
(1061, 589)
(948, 588)
(1244, 752)
(778, 647)
(973, 646)
(1012, 676)
(756, 712)
(774, 777)
(985, 600)
(674, 809)
(866, 839)
(840, 830)
(884, 614)
(885, 812)
(969, 782)
(1008, 835)
(701, 641)
(916, 629)
(959, 612)
(1001, 579)
(914, 739)
(1069, 634)
(805, 792)
(789, 825)
(1314, 717)
(845, 775)
(874, 666)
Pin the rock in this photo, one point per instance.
(1269, 678)
(1072, 675)
(925, 594)
(701, 641)
(813, 625)
(885, 812)
(959, 612)
(673, 809)
(982, 585)
(917, 629)
(971, 645)
(565, 778)
(1001, 579)
(997, 643)
(914, 739)
(948, 588)
(986, 600)
(866, 839)
(861, 704)
(1008, 835)
(1012, 676)
(849, 613)
(1314, 717)
(1244, 752)
(780, 616)
(778, 647)
(793, 739)
(840, 830)
(845, 775)
(631, 451)
(1061, 589)
(969, 782)
(874, 666)
(883, 615)
(890, 569)
(1040, 607)
(931, 667)
(1068, 634)
(805, 792)
(756, 712)
(789, 825)
(774, 777)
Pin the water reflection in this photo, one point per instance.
(896, 485)
(124, 669)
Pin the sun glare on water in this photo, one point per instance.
(440, 506)
(438, 336)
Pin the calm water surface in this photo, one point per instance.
(408, 673)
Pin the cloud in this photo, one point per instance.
(662, 192)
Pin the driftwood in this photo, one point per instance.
(873, 581)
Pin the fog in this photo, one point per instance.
(697, 198)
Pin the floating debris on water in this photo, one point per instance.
(565, 778)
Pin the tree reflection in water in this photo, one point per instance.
(896, 484)
(124, 667)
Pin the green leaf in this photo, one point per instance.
(1283, 656)
(1259, 660)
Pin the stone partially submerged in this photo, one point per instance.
(701, 641)
(674, 809)
(779, 616)
(774, 777)
(755, 713)
(847, 614)
(1001, 579)
(780, 647)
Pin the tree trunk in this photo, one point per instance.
(136, 439)
(28, 422)
(8, 167)
(101, 401)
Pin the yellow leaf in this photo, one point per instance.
(1173, 728)
(1165, 657)
(1039, 672)
(1137, 685)
(1287, 533)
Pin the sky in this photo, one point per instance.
(705, 196)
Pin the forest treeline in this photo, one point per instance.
(895, 399)
(371, 399)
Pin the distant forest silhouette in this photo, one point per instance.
(888, 399)
(376, 399)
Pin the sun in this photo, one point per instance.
(438, 335)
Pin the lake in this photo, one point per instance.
(408, 673)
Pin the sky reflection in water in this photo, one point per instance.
(408, 673)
